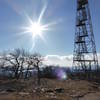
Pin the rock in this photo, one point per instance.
(76, 96)
(10, 90)
(49, 91)
(34, 91)
(51, 96)
(43, 90)
(3, 92)
(59, 90)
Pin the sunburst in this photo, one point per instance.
(37, 28)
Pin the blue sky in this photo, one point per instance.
(59, 40)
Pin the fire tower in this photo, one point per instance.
(85, 56)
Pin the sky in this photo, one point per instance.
(58, 41)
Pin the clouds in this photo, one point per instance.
(98, 58)
(62, 60)
(58, 60)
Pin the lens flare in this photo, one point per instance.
(61, 74)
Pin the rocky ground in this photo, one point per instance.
(49, 90)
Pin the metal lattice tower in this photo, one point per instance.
(85, 56)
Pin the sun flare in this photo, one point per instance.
(36, 29)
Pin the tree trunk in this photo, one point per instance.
(16, 73)
(38, 75)
(27, 72)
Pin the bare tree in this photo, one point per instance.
(37, 58)
(16, 59)
(19, 60)
(22, 57)
(34, 60)
(29, 62)
(2, 65)
(2, 62)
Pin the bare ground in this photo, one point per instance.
(49, 90)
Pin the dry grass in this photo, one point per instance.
(49, 90)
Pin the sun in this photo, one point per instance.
(36, 29)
